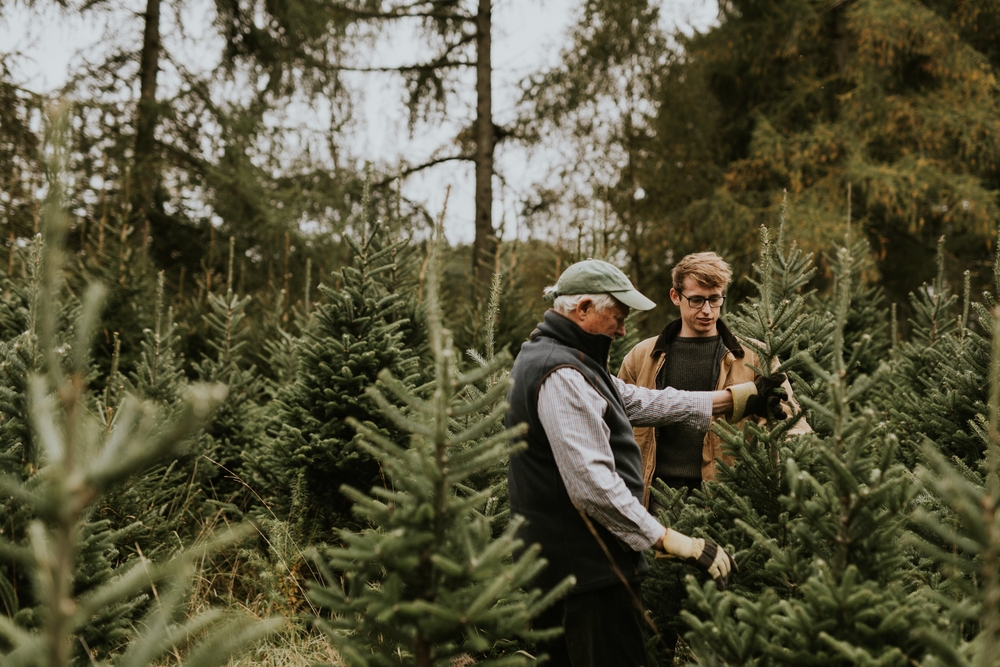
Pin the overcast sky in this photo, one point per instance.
(527, 35)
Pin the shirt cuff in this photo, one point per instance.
(652, 530)
(702, 410)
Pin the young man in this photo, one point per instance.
(579, 482)
(696, 352)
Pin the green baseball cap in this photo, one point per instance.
(593, 276)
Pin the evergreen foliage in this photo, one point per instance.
(866, 331)
(898, 98)
(775, 323)
(820, 523)
(870, 541)
(427, 582)
(20, 358)
(19, 155)
(165, 503)
(771, 324)
(827, 580)
(846, 556)
(80, 608)
(159, 374)
(964, 542)
(310, 450)
(495, 475)
(108, 255)
(237, 426)
(940, 378)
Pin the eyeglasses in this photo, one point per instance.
(697, 302)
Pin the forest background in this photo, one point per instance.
(237, 249)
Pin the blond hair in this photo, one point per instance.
(707, 269)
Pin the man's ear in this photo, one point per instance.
(675, 297)
(585, 305)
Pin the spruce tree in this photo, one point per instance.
(166, 502)
(427, 582)
(112, 254)
(939, 379)
(274, 569)
(495, 476)
(83, 608)
(19, 357)
(280, 336)
(773, 322)
(818, 522)
(309, 451)
(237, 427)
(866, 332)
(829, 580)
(954, 523)
(961, 535)
(159, 374)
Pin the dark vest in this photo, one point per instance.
(536, 489)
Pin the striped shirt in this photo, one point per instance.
(571, 410)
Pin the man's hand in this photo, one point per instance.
(766, 402)
(762, 398)
(706, 554)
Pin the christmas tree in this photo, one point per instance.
(165, 503)
(773, 323)
(427, 582)
(495, 476)
(818, 522)
(82, 608)
(114, 255)
(955, 521)
(238, 425)
(961, 535)
(309, 451)
(839, 589)
(865, 334)
(939, 382)
(19, 356)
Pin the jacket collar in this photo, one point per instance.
(567, 332)
(673, 330)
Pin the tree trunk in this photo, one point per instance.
(483, 245)
(145, 170)
(630, 178)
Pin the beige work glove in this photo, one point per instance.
(706, 554)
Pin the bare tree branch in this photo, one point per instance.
(399, 13)
(406, 68)
(409, 171)
(441, 62)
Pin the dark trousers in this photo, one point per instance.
(600, 629)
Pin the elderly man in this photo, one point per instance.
(579, 482)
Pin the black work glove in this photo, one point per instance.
(706, 554)
(766, 402)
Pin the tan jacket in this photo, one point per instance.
(644, 362)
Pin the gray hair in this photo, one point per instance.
(567, 303)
